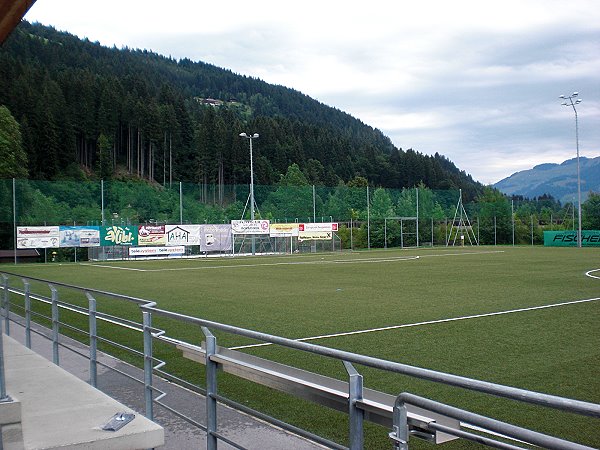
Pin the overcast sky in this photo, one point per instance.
(477, 81)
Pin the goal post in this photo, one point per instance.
(408, 233)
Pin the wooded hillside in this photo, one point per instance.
(87, 111)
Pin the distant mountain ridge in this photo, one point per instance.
(558, 180)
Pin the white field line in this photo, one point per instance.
(234, 266)
(103, 266)
(429, 322)
(294, 263)
(589, 274)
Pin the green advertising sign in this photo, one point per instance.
(589, 238)
(119, 235)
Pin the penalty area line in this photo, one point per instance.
(428, 322)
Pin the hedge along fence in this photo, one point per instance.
(363, 211)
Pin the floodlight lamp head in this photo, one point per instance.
(578, 101)
(255, 135)
(560, 96)
(575, 94)
(243, 135)
(564, 104)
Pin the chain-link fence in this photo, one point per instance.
(368, 217)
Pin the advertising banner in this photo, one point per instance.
(589, 238)
(38, 237)
(84, 236)
(215, 238)
(318, 227)
(178, 250)
(315, 235)
(119, 235)
(283, 230)
(250, 226)
(152, 235)
(182, 235)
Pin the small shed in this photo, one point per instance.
(23, 255)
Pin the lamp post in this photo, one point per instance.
(250, 138)
(568, 101)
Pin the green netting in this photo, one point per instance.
(362, 209)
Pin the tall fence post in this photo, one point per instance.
(27, 290)
(55, 326)
(6, 304)
(93, 340)
(211, 390)
(368, 220)
(14, 199)
(355, 393)
(147, 327)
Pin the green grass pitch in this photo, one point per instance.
(405, 301)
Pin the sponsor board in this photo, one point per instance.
(250, 226)
(119, 235)
(315, 235)
(178, 250)
(215, 238)
(82, 236)
(318, 227)
(283, 229)
(38, 237)
(182, 235)
(152, 235)
(589, 238)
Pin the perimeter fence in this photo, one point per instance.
(368, 217)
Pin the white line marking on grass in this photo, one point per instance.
(589, 274)
(464, 253)
(114, 267)
(294, 263)
(428, 322)
(291, 263)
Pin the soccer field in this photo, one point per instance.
(520, 316)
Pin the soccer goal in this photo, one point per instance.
(408, 231)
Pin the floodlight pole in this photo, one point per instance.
(250, 138)
(569, 102)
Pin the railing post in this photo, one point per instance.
(3, 396)
(27, 289)
(357, 415)
(211, 390)
(55, 325)
(148, 363)
(93, 340)
(6, 304)
(399, 434)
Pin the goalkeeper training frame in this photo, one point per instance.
(461, 226)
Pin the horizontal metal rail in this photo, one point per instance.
(522, 395)
(400, 434)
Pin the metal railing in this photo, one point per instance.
(406, 415)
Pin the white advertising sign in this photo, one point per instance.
(315, 235)
(79, 236)
(38, 237)
(182, 234)
(157, 251)
(318, 227)
(250, 226)
(283, 229)
(215, 238)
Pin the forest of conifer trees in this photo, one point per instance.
(87, 111)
